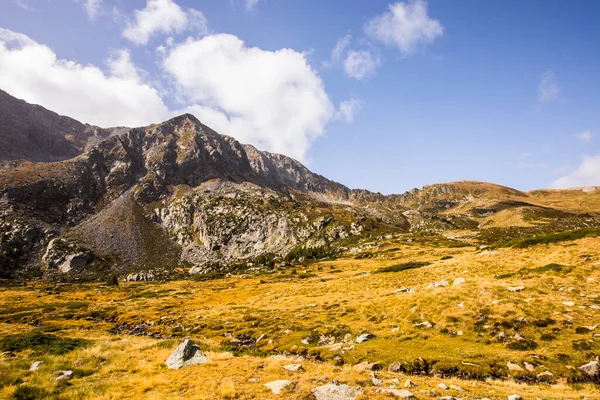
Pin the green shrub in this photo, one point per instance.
(403, 266)
(523, 345)
(547, 238)
(30, 392)
(41, 343)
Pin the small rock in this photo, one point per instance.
(443, 386)
(64, 375)
(278, 386)
(516, 288)
(425, 324)
(457, 388)
(459, 333)
(545, 376)
(459, 281)
(528, 367)
(515, 397)
(293, 367)
(568, 303)
(409, 383)
(449, 398)
(35, 366)
(395, 367)
(513, 367)
(254, 380)
(376, 381)
(335, 392)
(364, 337)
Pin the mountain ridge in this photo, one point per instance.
(215, 202)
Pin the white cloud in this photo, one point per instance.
(548, 89)
(163, 17)
(92, 8)
(587, 174)
(586, 136)
(406, 26)
(24, 4)
(347, 110)
(272, 99)
(120, 65)
(250, 4)
(337, 52)
(31, 71)
(361, 64)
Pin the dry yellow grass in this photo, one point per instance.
(345, 295)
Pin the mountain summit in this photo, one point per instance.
(84, 201)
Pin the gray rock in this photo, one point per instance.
(457, 388)
(514, 397)
(187, 353)
(35, 366)
(143, 276)
(516, 288)
(545, 376)
(443, 386)
(513, 367)
(395, 367)
(591, 369)
(409, 383)
(64, 375)
(364, 337)
(401, 393)
(278, 386)
(335, 392)
(293, 367)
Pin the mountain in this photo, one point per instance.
(84, 202)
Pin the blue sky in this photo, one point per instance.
(418, 93)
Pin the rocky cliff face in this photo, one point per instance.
(85, 201)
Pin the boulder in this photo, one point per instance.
(400, 393)
(591, 369)
(395, 367)
(278, 386)
(187, 353)
(335, 392)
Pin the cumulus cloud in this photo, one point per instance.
(347, 110)
(586, 136)
(163, 17)
(587, 174)
(338, 52)
(272, 99)
(33, 72)
(548, 89)
(406, 26)
(361, 64)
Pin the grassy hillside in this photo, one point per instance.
(115, 339)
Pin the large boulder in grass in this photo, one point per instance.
(187, 353)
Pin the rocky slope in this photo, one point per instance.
(86, 202)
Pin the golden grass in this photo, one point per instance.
(343, 296)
